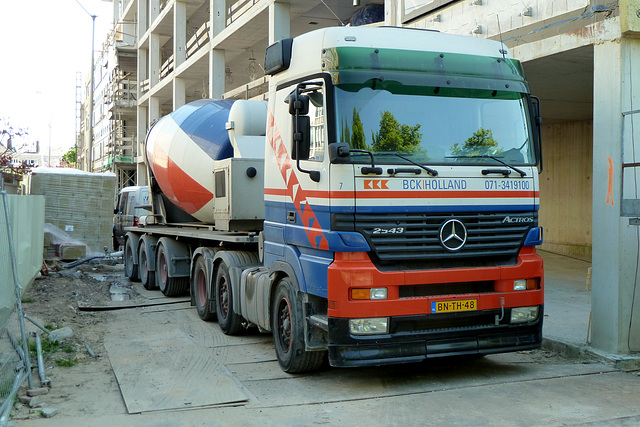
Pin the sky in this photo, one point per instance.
(43, 43)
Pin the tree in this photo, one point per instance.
(345, 135)
(8, 168)
(357, 137)
(354, 138)
(69, 158)
(481, 143)
(396, 137)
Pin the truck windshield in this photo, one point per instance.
(435, 125)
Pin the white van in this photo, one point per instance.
(133, 202)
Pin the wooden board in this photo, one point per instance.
(158, 366)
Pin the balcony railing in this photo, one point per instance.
(199, 39)
(238, 9)
(256, 89)
(166, 67)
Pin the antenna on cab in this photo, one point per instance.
(503, 51)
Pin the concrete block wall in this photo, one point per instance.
(78, 203)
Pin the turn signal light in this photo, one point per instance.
(368, 293)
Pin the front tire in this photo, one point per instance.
(200, 286)
(230, 322)
(288, 332)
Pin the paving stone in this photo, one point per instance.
(36, 402)
(61, 334)
(37, 391)
(49, 412)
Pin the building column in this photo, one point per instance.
(393, 13)
(142, 69)
(615, 295)
(179, 93)
(143, 20)
(216, 73)
(154, 59)
(154, 10)
(154, 110)
(179, 33)
(279, 22)
(217, 16)
(141, 124)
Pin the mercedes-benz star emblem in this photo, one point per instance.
(453, 235)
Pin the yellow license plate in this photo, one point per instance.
(453, 306)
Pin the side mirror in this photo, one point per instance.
(535, 106)
(301, 141)
(339, 152)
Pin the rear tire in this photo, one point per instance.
(287, 322)
(201, 284)
(229, 321)
(130, 269)
(169, 286)
(147, 277)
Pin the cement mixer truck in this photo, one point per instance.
(381, 207)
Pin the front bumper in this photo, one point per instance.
(415, 338)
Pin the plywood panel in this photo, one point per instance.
(566, 188)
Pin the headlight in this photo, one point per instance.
(370, 326)
(520, 285)
(524, 314)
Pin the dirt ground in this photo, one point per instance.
(68, 298)
(159, 353)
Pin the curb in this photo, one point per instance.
(585, 352)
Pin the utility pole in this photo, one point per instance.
(91, 88)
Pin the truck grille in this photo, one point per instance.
(411, 240)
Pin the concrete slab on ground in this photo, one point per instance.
(161, 367)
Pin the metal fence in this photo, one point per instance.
(15, 365)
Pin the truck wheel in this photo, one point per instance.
(147, 277)
(288, 332)
(200, 285)
(169, 286)
(130, 269)
(229, 321)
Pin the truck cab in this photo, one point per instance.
(401, 192)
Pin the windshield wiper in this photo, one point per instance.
(378, 171)
(486, 156)
(432, 172)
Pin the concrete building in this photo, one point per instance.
(581, 57)
(113, 144)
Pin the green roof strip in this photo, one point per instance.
(361, 58)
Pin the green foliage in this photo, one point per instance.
(48, 347)
(481, 143)
(396, 137)
(69, 158)
(345, 135)
(66, 363)
(27, 300)
(357, 138)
